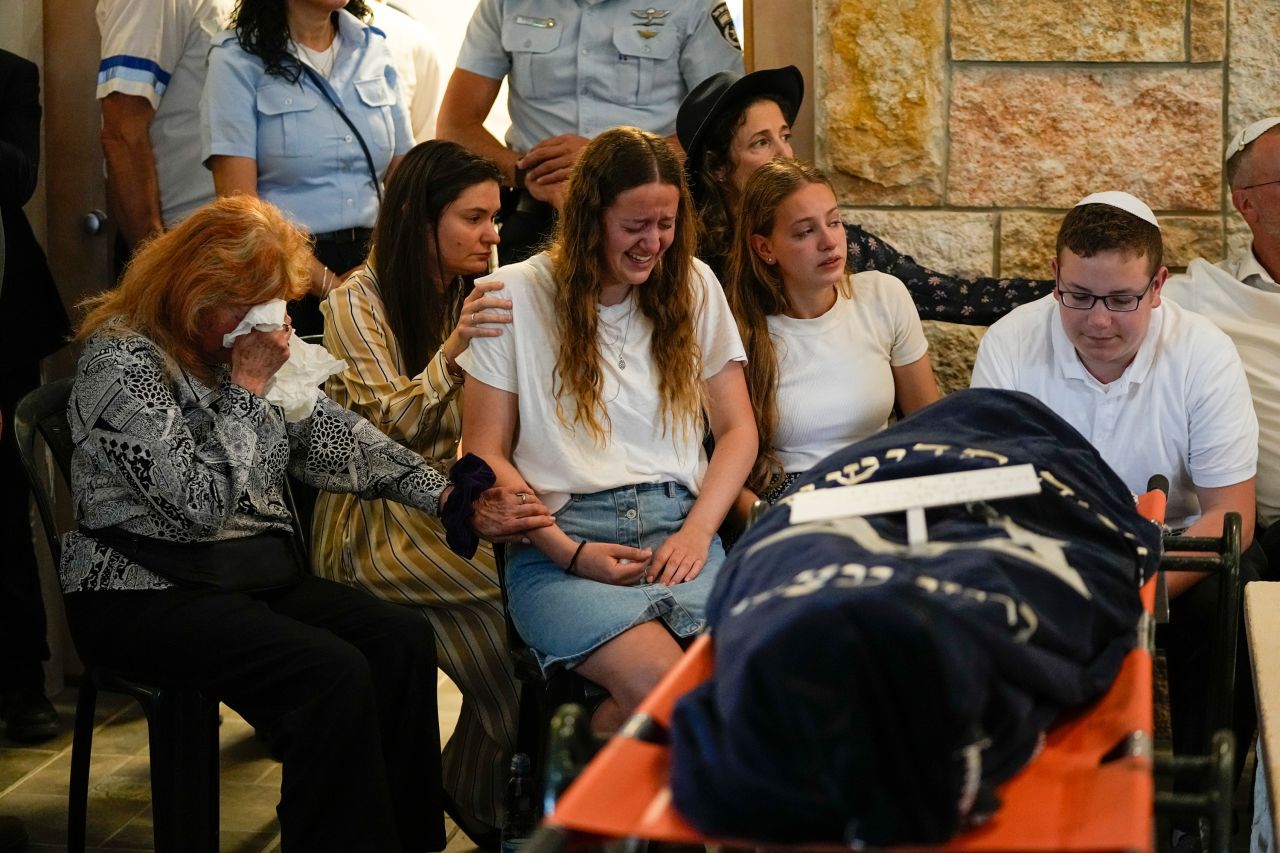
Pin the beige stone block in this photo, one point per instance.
(1254, 65)
(1048, 137)
(1239, 237)
(955, 243)
(882, 115)
(1027, 241)
(1068, 30)
(952, 351)
(1208, 30)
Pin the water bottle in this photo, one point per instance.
(521, 817)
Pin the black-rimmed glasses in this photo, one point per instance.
(1113, 302)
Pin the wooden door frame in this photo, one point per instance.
(789, 41)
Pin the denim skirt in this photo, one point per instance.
(564, 618)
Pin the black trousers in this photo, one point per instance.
(339, 257)
(22, 623)
(345, 683)
(527, 226)
(1270, 539)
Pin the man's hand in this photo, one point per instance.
(552, 194)
(501, 514)
(551, 160)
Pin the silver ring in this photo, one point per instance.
(522, 496)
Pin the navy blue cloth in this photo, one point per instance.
(864, 694)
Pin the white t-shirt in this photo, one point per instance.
(835, 383)
(1181, 409)
(1243, 300)
(159, 50)
(558, 460)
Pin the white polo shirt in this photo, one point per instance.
(1243, 300)
(159, 50)
(1181, 409)
(559, 459)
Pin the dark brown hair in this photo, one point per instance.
(421, 298)
(1092, 228)
(262, 28)
(713, 192)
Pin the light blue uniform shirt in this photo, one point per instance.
(310, 164)
(584, 66)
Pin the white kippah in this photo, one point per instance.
(1126, 202)
(1250, 133)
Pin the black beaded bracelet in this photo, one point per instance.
(568, 570)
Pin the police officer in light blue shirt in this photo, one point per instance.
(316, 138)
(576, 68)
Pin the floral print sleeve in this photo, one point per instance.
(338, 451)
(973, 301)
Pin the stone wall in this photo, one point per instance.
(960, 130)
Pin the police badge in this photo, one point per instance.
(724, 21)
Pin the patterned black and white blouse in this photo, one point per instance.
(161, 454)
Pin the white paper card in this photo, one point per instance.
(912, 492)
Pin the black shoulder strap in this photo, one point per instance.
(368, 158)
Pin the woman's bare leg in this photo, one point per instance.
(629, 666)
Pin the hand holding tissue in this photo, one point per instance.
(296, 385)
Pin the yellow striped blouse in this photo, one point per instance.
(396, 552)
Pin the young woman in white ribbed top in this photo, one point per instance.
(829, 355)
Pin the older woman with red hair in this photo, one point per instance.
(183, 568)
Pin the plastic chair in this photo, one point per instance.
(182, 722)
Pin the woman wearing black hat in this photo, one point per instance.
(731, 124)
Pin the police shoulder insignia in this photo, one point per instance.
(724, 20)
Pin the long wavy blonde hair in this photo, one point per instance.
(755, 291)
(612, 163)
(235, 251)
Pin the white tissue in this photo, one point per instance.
(267, 317)
(296, 385)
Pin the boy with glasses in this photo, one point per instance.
(1157, 390)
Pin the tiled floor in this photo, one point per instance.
(33, 781)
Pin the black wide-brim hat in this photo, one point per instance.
(725, 90)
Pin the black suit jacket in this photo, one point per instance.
(35, 321)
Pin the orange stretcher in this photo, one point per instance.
(1090, 789)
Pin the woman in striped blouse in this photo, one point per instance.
(399, 322)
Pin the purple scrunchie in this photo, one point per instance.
(470, 476)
